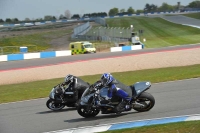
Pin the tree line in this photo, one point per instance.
(112, 12)
(152, 8)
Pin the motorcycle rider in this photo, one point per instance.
(75, 83)
(116, 88)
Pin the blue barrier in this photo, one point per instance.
(126, 48)
(15, 57)
(47, 54)
(24, 56)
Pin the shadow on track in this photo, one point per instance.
(106, 116)
(62, 110)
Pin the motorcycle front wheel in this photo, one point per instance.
(87, 113)
(54, 106)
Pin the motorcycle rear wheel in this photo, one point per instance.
(147, 100)
(54, 106)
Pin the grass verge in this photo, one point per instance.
(193, 15)
(40, 89)
(158, 32)
(179, 127)
(39, 40)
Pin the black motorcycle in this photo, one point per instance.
(63, 95)
(94, 100)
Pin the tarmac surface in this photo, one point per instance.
(172, 99)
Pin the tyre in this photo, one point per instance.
(54, 106)
(145, 99)
(87, 113)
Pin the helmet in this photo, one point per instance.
(106, 79)
(69, 78)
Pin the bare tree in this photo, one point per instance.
(67, 14)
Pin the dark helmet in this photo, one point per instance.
(106, 79)
(69, 78)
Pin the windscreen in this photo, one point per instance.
(89, 45)
(104, 92)
(88, 91)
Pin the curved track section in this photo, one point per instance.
(180, 19)
(172, 99)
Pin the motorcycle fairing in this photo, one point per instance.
(140, 87)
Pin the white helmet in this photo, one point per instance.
(69, 78)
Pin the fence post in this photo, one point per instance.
(1, 50)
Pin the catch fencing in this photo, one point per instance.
(102, 33)
(81, 29)
(108, 34)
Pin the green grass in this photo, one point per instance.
(40, 89)
(158, 32)
(179, 127)
(39, 41)
(193, 15)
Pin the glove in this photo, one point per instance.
(63, 84)
(98, 84)
(91, 87)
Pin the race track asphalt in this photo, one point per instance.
(180, 19)
(10, 65)
(172, 99)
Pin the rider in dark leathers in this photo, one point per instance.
(115, 88)
(75, 83)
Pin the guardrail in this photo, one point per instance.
(126, 48)
(24, 56)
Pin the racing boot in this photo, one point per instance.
(121, 106)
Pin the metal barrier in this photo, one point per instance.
(81, 29)
(108, 34)
(100, 21)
